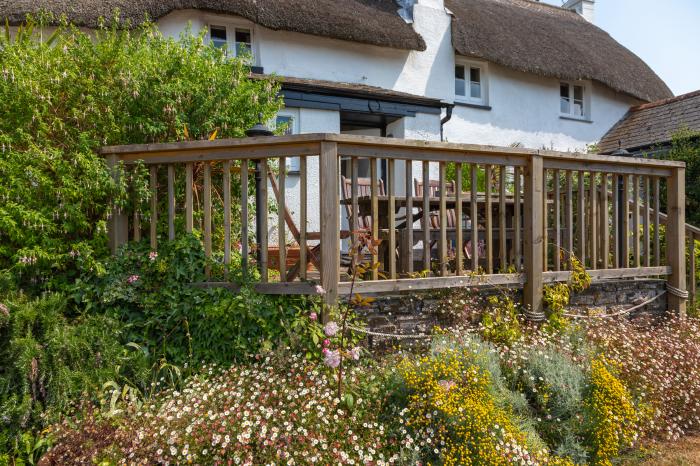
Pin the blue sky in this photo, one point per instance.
(664, 33)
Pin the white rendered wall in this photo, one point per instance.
(525, 110)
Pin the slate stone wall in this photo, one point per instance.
(419, 313)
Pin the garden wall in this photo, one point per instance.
(419, 313)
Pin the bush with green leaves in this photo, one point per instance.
(158, 294)
(52, 358)
(66, 94)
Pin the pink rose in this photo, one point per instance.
(326, 342)
(313, 316)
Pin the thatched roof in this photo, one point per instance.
(654, 124)
(538, 38)
(374, 22)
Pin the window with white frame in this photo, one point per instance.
(288, 123)
(573, 100)
(236, 40)
(470, 83)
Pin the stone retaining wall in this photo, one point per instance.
(419, 313)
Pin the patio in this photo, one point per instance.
(506, 216)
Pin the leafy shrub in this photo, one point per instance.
(660, 363)
(267, 412)
(612, 414)
(156, 294)
(71, 93)
(451, 410)
(52, 359)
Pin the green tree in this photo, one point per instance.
(66, 95)
(685, 147)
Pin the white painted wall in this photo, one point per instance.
(525, 109)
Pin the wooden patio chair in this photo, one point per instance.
(313, 253)
(364, 188)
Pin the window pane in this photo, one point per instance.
(242, 41)
(564, 90)
(475, 90)
(578, 92)
(475, 75)
(218, 36)
(459, 72)
(287, 122)
(578, 107)
(565, 105)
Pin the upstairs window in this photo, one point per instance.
(231, 39)
(470, 85)
(572, 100)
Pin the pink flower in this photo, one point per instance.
(331, 329)
(326, 342)
(313, 316)
(153, 255)
(355, 353)
(132, 279)
(447, 385)
(324, 351)
(332, 358)
(319, 289)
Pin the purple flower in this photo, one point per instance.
(331, 329)
(332, 358)
(313, 316)
(132, 279)
(355, 353)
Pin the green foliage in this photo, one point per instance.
(51, 359)
(501, 323)
(685, 147)
(65, 97)
(557, 296)
(156, 295)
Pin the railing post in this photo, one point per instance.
(534, 240)
(118, 225)
(675, 242)
(330, 225)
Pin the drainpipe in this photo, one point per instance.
(448, 117)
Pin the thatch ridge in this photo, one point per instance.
(543, 39)
(374, 22)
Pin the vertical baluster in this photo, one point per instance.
(545, 223)
(569, 213)
(635, 221)
(171, 202)
(443, 221)
(281, 227)
(517, 218)
(458, 213)
(227, 216)
(303, 221)
(605, 222)
(354, 212)
(244, 217)
(137, 217)
(189, 204)
(625, 227)
(426, 216)
(581, 218)
(475, 216)
(154, 206)
(657, 221)
(557, 221)
(593, 227)
(391, 191)
(263, 242)
(502, 217)
(207, 215)
(615, 183)
(408, 253)
(375, 215)
(489, 221)
(691, 270)
(647, 215)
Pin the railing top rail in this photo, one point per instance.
(308, 144)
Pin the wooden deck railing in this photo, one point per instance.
(489, 215)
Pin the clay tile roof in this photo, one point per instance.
(374, 22)
(655, 123)
(543, 39)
